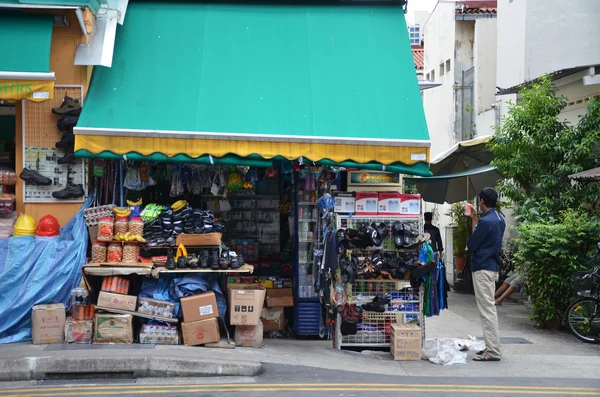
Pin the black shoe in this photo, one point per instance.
(32, 177)
(70, 192)
(170, 260)
(213, 259)
(182, 262)
(203, 259)
(193, 261)
(68, 158)
(69, 106)
(67, 123)
(67, 140)
(236, 260)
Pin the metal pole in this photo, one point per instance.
(121, 188)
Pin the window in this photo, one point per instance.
(447, 65)
(427, 77)
(441, 69)
(433, 75)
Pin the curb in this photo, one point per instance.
(39, 368)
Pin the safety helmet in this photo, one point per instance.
(24, 226)
(48, 227)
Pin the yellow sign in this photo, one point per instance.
(32, 90)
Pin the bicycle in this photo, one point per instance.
(583, 314)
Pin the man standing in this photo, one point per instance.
(434, 232)
(485, 245)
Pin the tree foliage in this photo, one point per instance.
(537, 151)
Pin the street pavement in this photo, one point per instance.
(286, 380)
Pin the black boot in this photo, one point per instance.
(170, 260)
(213, 259)
(193, 261)
(203, 259)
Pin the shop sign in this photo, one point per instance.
(32, 90)
(373, 178)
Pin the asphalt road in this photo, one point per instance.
(296, 381)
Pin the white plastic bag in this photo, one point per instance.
(472, 344)
(443, 351)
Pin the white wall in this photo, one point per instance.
(484, 50)
(511, 42)
(577, 95)
(439, 102)
(561, 34)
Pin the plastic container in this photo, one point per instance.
(131, 252)
(156, 307)
(99, 251)
(136, 226)
(80, 296)
(121, 225)
(105, 229)
(114, 252)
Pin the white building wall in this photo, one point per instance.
(484, 49)
(561, 34)
(511, 42)
(439, 36)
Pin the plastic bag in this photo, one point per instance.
(472, 344)
(443, 351)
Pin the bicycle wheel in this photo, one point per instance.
(583, 317)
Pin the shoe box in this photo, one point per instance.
(200, 332)
(280, 297)
(199, 307)
(113, 328)
(249, 335)
(344, 203)
(79, 331)
(367, 203)
(405, 342)
(272, 319)
(389, 203)
(245, 304)
(410, 204)
(111, 300)
(48, 323)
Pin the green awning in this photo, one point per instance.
(25, 61)
(325, 82)
(26, 40)
(94, 5)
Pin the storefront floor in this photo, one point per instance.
(551, 354)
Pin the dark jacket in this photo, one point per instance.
(486, 242)
(436, 237)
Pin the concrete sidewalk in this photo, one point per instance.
(550, 354)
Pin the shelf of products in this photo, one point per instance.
(243, 269)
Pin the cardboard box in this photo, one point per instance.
(208, 239)
(48, 324)
(117, 301)
(282, 297)
(367, 203)
(113, 328)
(249, 335)
(272, 318)
(410, 204)
(79, 331)
(245, 304)
(405, 342)
(344, 203)
(199, 307)
(200, 332)
(389, 203)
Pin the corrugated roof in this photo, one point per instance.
(556, 75)
(477, 7)
(589, 175)
(418, 57)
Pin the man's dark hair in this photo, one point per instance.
(428, 216)
(489, 197)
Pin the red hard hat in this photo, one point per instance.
(48, 227)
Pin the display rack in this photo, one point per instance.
(406, 303)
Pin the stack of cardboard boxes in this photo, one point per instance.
(200, 319)
(374, 203)
(245, 305)
(272, 315)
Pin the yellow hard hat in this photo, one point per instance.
(24, 226)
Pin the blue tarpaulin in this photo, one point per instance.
(38, 270)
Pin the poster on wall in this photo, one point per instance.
(44, 160)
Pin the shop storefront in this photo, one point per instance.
(219, 144)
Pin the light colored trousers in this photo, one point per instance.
(484, 283)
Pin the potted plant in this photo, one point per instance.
(460, 234)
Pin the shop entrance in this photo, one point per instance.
(7, 166)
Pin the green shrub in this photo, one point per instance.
(549, 253)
